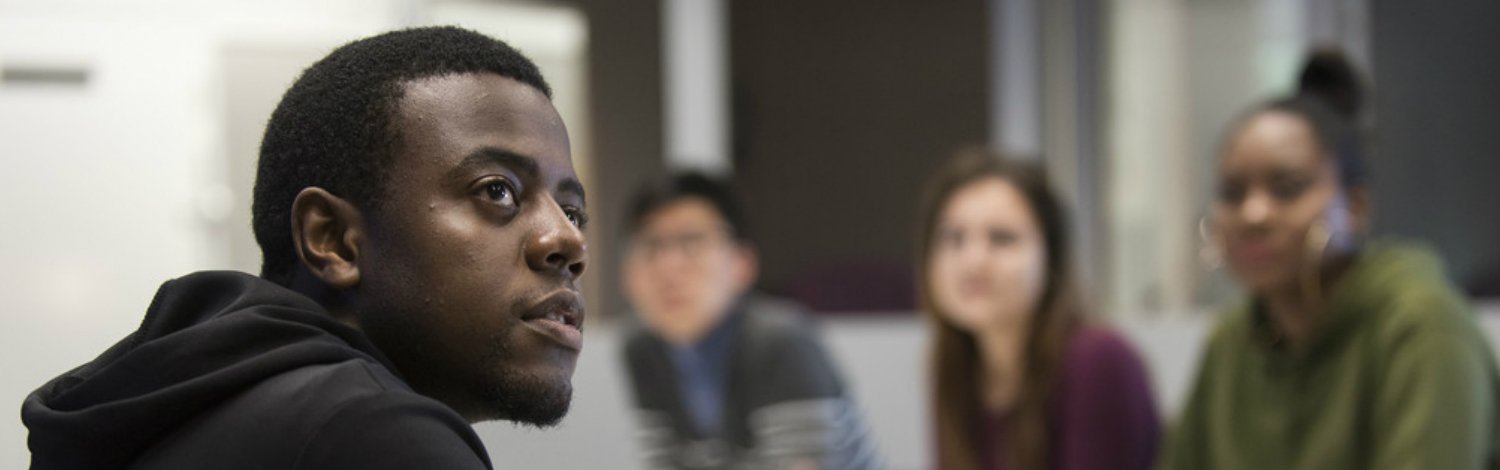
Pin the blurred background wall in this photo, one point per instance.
(129, 129)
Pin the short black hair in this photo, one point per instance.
(657, 193)
(335, 127)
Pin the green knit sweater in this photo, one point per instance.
(1397, 375)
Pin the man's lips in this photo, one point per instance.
(559, 317)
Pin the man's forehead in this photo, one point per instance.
(457, 116)
(683, 213)
(471, 94)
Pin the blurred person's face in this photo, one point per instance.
(684, 269)
(1275, 187)
(468, 270)
(988, 260)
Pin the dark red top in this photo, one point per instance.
(1104, 416)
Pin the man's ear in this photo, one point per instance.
(748, 261)
(326, 231)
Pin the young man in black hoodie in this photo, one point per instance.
(420, 222)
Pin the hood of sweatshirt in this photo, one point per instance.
(206, 337)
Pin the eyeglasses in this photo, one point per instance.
(690, 244)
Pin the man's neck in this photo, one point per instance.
(335, 302)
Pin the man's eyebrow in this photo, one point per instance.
(520, 163)
(505, 158)
(571, 185)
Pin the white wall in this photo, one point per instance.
(102, 184)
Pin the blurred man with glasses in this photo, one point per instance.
(725, 377)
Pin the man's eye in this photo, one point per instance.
(500, 192)
(577, 217)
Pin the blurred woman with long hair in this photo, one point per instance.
(1020, 379)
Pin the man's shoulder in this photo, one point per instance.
(776, 321)
(779, 344)
(303, 394)
(639, 342)
(311, 414)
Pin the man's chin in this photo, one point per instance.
(527, 400)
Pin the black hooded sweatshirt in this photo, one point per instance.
(230, 371)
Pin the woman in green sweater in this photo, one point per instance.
(1348, 353)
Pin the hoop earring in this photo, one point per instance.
(1314, 248)
(1210, 256)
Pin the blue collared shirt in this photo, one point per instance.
(703, 369)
